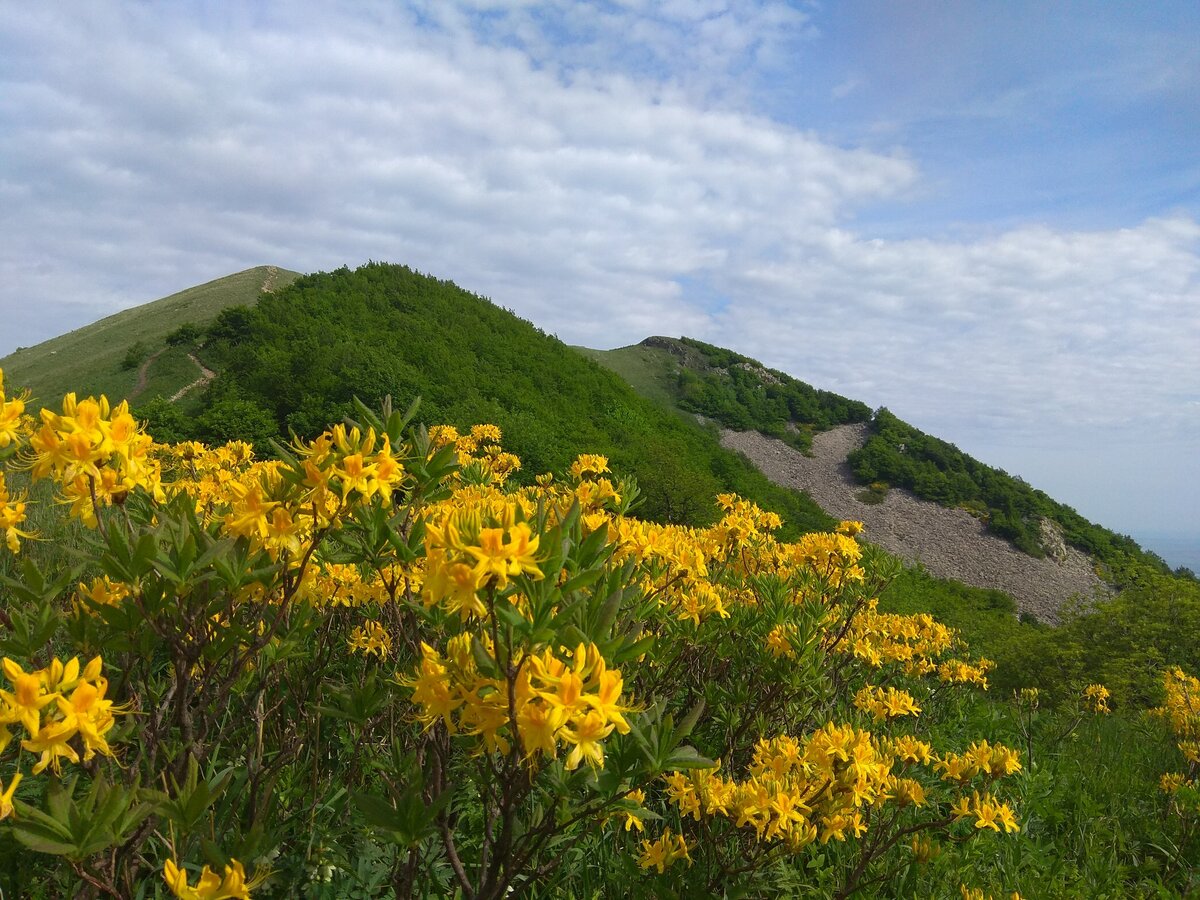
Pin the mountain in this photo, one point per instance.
(288, 353)
(296, 360)
(684, 418)
(127, 354)
(874, 454)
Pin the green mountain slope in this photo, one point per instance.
(735, 390)
(296, 360)
(740, 393)
(126, 354)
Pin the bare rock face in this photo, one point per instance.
(763, 375)
(949, 543)
(1053, 541)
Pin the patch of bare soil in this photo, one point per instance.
(143, 373)
(206, 375)
(949, 543)
(268, 284)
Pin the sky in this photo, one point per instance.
(983, 216)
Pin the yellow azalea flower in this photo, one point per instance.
(102, 591)
(569, 693)
(371, 637)
(6, 796)
(25, 703)
(12, 514)
(961, 808)
(924, 849)
(249, 512)
(232, 885)
(664, 852)
(1097, 697)
(985, 816)
(454, 585)
(52, 743)
(632, 819)
(539, 725)
(91, 715)
(1171, 782)
(683, 794)
(432, 689)
(1007, 819)
(586, 736)
(498, 558)
(605, 700)
(779, 641)
(12, 417)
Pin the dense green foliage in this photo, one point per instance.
(741, 394)
(296, 360)
(901, 455)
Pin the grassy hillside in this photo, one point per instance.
(108, 356)
(739, 392)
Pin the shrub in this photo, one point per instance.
(379, 658)
(187, 333)
(134, 356)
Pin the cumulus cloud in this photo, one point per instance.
(312, 144)
(1023, 328)
(595, 166)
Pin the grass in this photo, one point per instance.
(649, 370)
(169, 373)
(88, 360)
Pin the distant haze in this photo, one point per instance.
(983, 216)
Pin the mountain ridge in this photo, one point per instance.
(690, 378)
(104, 357)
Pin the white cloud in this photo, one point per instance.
(1028, 327)
(318, 145)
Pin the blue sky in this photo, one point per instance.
(983, 216)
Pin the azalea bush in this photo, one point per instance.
(388, 662)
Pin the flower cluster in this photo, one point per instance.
(477, 546)
(958, 671)
(12, 514)
(886, 703)
(62, 709)
(479, 450)
(574, 701)
(1096, 696)
(981, 758)
(987, 811)
(345, 461)
(95, 452)
(800, 791)
(664, 852)
(818, 788)
(232, 884)
(371, 637)
(1181, 709)
(914, 642)
(14, 424)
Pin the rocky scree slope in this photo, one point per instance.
(949, 543)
